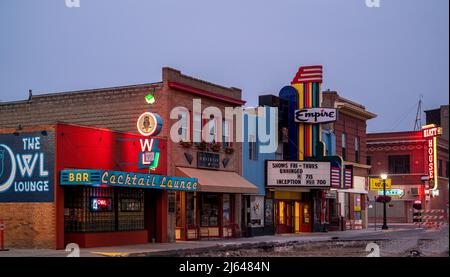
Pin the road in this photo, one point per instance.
(399, 240)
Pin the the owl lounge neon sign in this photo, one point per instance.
(430, 133)
(149, 124)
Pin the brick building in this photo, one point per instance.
(347, 136)
(212, 211)
(403, 156)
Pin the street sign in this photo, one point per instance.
(392, 192)
(377, 184)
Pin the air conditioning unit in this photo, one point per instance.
(414, 191)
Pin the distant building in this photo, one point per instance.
(404, 156)
(440, 118)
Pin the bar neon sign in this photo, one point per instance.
(430, 132)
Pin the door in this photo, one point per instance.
(306, 217)
(289, 217)
(285, 219)
(297, 216)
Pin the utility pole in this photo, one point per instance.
(418, 122)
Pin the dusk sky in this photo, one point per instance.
(383, 58)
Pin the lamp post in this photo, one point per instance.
(384, 227)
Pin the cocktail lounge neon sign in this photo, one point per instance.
(126, 179)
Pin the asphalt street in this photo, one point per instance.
(398, 240)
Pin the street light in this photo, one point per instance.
(384, 177)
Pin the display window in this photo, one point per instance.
(226, 209)
(91, 209)
(209, 210)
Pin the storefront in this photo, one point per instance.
(298, 187)
(293, 212)
(103, 197)
(354, 203)
(302, 181)
(85, 186)
(212, 211)
(132, 141)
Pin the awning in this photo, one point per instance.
(360, 191)
(218, 181)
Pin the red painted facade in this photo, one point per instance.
(79, 147)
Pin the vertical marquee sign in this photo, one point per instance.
(430, 133)
(304, 98)
(149, 124)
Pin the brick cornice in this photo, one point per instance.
(201, 92)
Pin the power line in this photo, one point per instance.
(404, 116)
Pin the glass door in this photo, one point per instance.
(289, 218)
(297, 212)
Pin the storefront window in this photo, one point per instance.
(190, 208)
(226, 209)
(209, 210)
(257, 211)
(130, 212)
(179, 212)
(89, 209)
(306, 215)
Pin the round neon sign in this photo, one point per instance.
(149, 124)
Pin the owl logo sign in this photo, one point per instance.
(2, 163)
(149, 124)
(26, 168)
(6, 181)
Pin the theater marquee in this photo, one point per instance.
(298, 173)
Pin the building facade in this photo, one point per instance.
(346, 138)
(212, 210)
(419, 173)
(258, 209)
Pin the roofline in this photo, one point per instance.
(79, 92)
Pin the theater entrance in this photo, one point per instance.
(292, 215)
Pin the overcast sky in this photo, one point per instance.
(383, 58)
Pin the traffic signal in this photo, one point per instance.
(417, 205)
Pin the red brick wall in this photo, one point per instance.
(29, 225)
(407, 143)
(352, 127)
(112, 108)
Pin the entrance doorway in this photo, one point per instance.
(292, 216)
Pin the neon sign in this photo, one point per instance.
(92, 177)
(430, 132)
(393, 192)
(149, 124)
(101, 204)
(149, 156)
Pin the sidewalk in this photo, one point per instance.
(168, 249)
